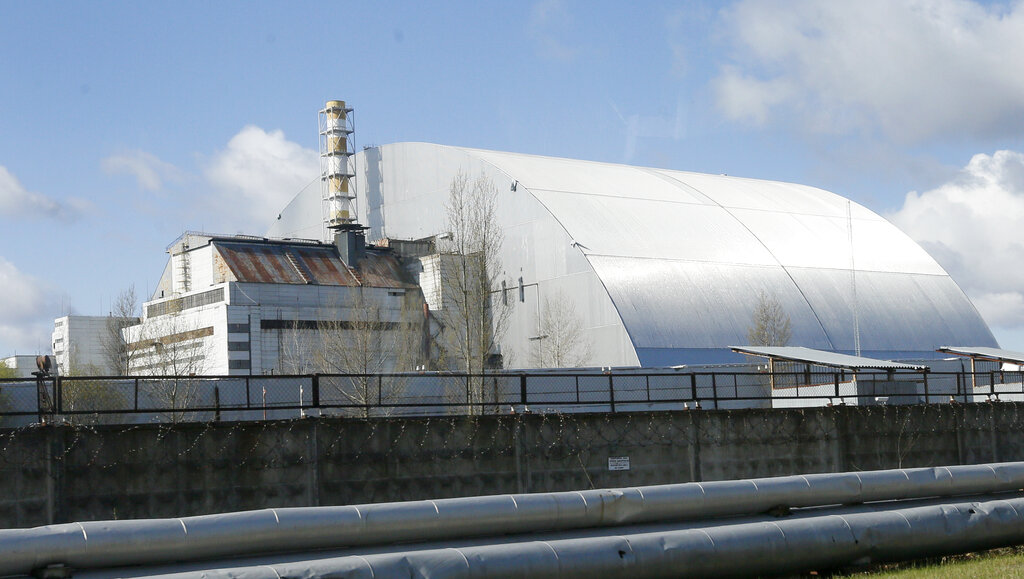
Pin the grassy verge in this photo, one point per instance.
(1008, 562)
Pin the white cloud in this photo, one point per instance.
(257, 175)
(241, 189)
(910, 70)
(639, 126)
(17, 201)
(974, 226)
(549, 20)
(148, 170)
(27, 311)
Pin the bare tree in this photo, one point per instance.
(372, 338)
(771, 324)
(5, 401)
(474, 315)
(86, 400)
(297, 350)
(172, 346)
(124, 313)
(560, 341)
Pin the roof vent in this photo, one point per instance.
(351, 244)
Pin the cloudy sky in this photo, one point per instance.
(123, 124)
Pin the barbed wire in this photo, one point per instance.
(345, 460)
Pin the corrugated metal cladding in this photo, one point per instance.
(684, 257)
(822, 358)
(307, 264)
(677, 260)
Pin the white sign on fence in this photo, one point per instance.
(618, 463)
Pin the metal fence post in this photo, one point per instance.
(835, 378)
(39, 398)
(216, 403)
(693, 387)
(924, 375)
(714, 390)
(136, 394)
(316, 390)
(611, 391)
(522, 389)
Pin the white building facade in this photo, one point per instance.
(78, 344)
(23, 366)
(234, 305)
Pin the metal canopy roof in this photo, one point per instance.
(985, 354)
(663, 264)
(824, 358)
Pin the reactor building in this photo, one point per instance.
(647, 267)
(662, 267)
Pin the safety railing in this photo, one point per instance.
(114, 399)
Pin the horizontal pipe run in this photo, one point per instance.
(827, 539)
(147, 541)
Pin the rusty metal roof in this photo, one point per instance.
(383, 270)
(303, 263)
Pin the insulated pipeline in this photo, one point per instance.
(739, 548)
(139, 542)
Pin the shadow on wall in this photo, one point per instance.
(373, 180)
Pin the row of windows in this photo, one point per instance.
(238, 364)
(317, 324)
(238, 346)
(188, 302)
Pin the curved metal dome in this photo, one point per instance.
(665, 267)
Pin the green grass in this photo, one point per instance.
(1007, 562)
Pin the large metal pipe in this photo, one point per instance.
(134, 542)
(821, 540)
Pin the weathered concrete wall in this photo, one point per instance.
(66, 473)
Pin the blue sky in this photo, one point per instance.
(122, 124)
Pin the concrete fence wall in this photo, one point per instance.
(53, 474)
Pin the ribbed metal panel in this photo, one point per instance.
(822, 358)
(993, 354)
